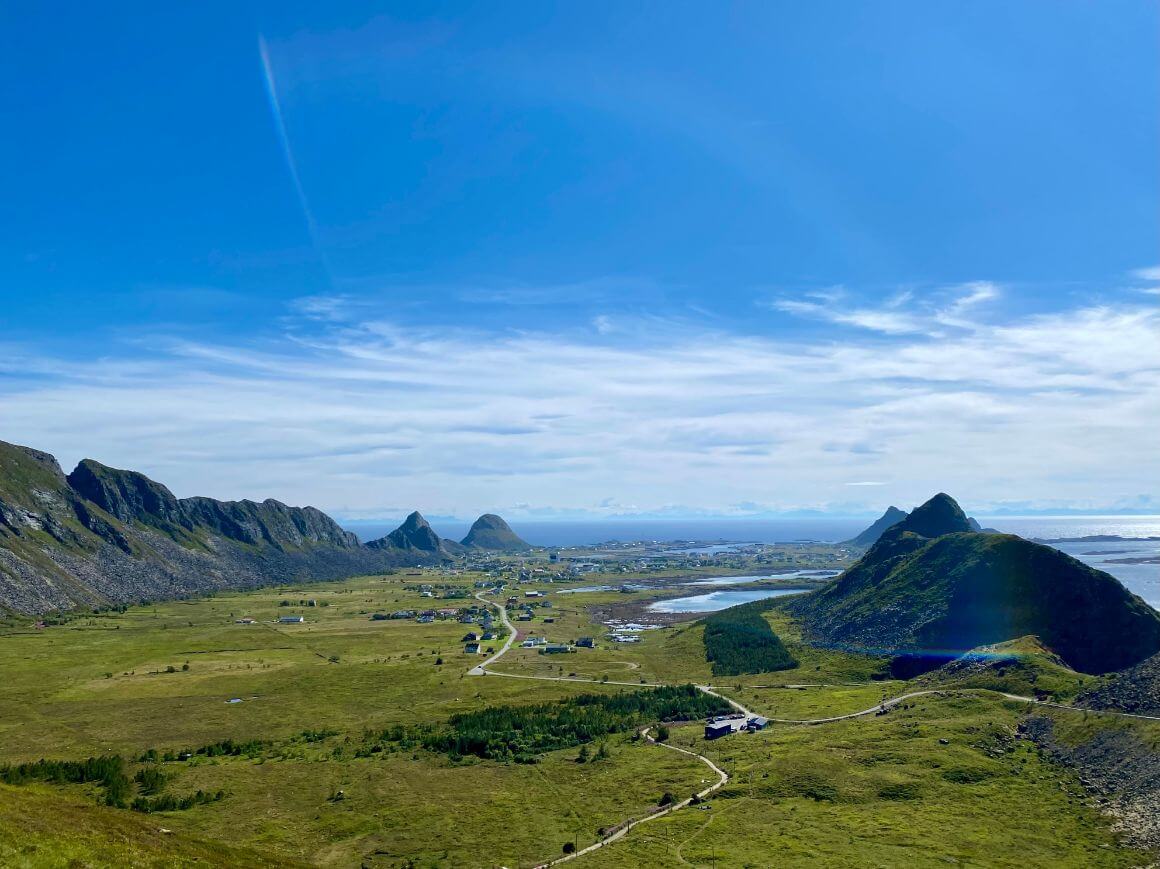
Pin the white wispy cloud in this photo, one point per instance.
(1151, 276)
(352, 414)
(899, 314)
(875, 320)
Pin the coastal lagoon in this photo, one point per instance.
(742, 580)
(716, 600)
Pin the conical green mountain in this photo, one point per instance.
(492, 533)
(940, 515)
(931, 587)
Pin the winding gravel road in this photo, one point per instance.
(723, 777)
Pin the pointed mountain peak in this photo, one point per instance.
(415, 534)
(938, 516)
(415, 521)
(887, 520)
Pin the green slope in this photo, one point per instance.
(493, 533)
(932, 587)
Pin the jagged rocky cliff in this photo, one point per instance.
(102, 535)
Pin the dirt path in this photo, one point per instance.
(722, 776)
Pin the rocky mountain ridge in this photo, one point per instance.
(101, 536)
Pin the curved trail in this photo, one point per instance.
(625, 826)
(722, 776)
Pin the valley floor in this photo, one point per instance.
(942, 777)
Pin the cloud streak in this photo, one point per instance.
(355, 413)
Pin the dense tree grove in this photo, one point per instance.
(108, 772)
(522, 733)
(739, 640)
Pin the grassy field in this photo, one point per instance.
(882, 790)
(885, 791)
(101, 683)
(42, 826)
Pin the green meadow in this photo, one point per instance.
(301, 787)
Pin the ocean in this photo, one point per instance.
(1143, 579)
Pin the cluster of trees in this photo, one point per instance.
(150, 780)
(739, 640)
(108, 772)
(230, 748)
(522, 733)
(170, 803)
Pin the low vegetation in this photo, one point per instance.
(739, 640)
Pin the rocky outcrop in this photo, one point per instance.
(1136, 690)
(1115, 763)
(103, 535)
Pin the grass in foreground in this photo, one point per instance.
(877, 791)
(886, 791)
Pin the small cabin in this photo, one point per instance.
(719, 727)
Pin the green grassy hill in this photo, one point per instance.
(931, 588)
(1023, 666)
(492, 532)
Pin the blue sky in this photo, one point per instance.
(588, 259)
